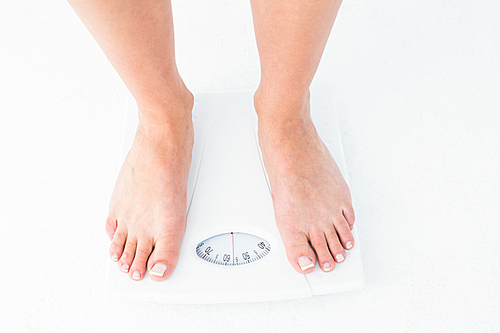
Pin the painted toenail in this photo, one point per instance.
(114, 256)
(158, 269)
(136, 275)
(348, 245)
(305, 262)
(124, 268)
(339, 257)
(327, 266)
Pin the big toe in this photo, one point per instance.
(300, 254)
(163, 259)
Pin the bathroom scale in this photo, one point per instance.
(231, 250)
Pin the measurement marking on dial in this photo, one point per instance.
(244, 249)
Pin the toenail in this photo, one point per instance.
(339, 257)
(305, 262)
(136, 275)
(158, 269)
(348, 245)
(124, 268)
(327, 266)
(114, 256)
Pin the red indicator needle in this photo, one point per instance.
(232, 235)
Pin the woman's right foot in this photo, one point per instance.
(147, 213)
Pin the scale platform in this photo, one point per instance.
(232, 251)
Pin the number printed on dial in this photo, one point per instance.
(233, 249)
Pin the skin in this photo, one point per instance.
(147, 213)
(312, 201)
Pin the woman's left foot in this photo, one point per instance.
(312, 202)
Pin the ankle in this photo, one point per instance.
(280, 109)
(170, 105)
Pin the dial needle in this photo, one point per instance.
(232, 236)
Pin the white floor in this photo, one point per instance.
(417, 87)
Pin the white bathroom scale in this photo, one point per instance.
(232, 251)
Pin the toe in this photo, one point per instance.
(163, 259)
(111, 225)
(336, 249)
(299, 252)
(138, 268)
(344, 232)
(320, 245)
(117, 245)
(348, 213)
(128, 255)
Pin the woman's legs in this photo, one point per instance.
(147, 213)
(312, 201)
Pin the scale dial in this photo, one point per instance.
(233, 249)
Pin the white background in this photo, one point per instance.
(417, 90)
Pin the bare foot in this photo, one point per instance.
(147, 214)
(312, 202)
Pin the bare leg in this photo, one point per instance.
(311, 199)
(147, 213)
